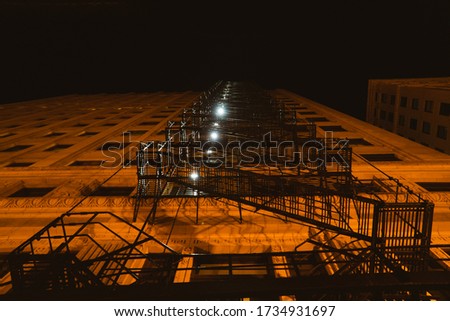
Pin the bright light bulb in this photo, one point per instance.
(194, 175)
(220, 111)
(209, 151)
(216, 124)
(214, 135)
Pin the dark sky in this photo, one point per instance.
(324, 50)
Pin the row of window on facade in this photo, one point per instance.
(444, 107)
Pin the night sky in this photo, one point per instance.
(323, 50)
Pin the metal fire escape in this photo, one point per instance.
(238, 144)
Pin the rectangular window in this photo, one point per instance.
(413, 123)
(113, 191)
(307, 113)
(88, 134)
(333, 128)
(87, 163)
(383, 98)
(380, 157)
(429, 106)
(401, 120)
(149, 123)
(32, 192)
(20, 164)
(415, 103)
(383, 114)
(58, 147)
(426, 127)
(392, 99)
(403, 101)
(316, 119)
(445, 109)
(442, 132)
(53, 134)
(16, 148)
(358, 141)
(435, 186)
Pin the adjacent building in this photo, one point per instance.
(416, 108)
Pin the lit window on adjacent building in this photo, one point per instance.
(441, 132)
(58, 147)
(403, 101)
(380, 157)
(32, 192)
(428, 106)
(435, 186)
(392, 99)
(426, 127)
(413, 123)
(113, 191)
(333, 128)
(16, 148)
(20, 164)
(86, 163)
(401, 120)
(415, 103)
(445, 109)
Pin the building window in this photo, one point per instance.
(54, 134)
(20, 164)
(79, 125)
(307, 113)
(32, 192)
(383, 114)
(435, 186)
(442, 132)
(109, 124)
(403, 101)
(381, 157)
(16, 148)
(86, 163)
(383, 98)
(445, 109)
(391, 117)
(415, 103)
(88, 134)
(316, 119)
(401, 120)
(149, 123)
(426, 127)
(413, 123)
(359, 141)
(429, 106)
(58, 147)
(392, 99)
(333, 128)
(113, 191)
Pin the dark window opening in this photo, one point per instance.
(40, 125)
(445, 109)
(54, 134)
(316, 119)
(403, 101)
(380, 157)
(58, 147)
(32, 192)
(359, 141)
(392, 99)
(333, 128)
(307, 113)
(441, 132)
(149, 123)
(426, 127)
(428, 106)
(415, 103)
(113, 191)
(79, 125)
(100, 118)
(413, 123)
(86, 163)
(16, 148)
(435, 186)
(401, 120)
(109, 124)
(20, 164)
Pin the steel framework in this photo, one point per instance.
(238, 144)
